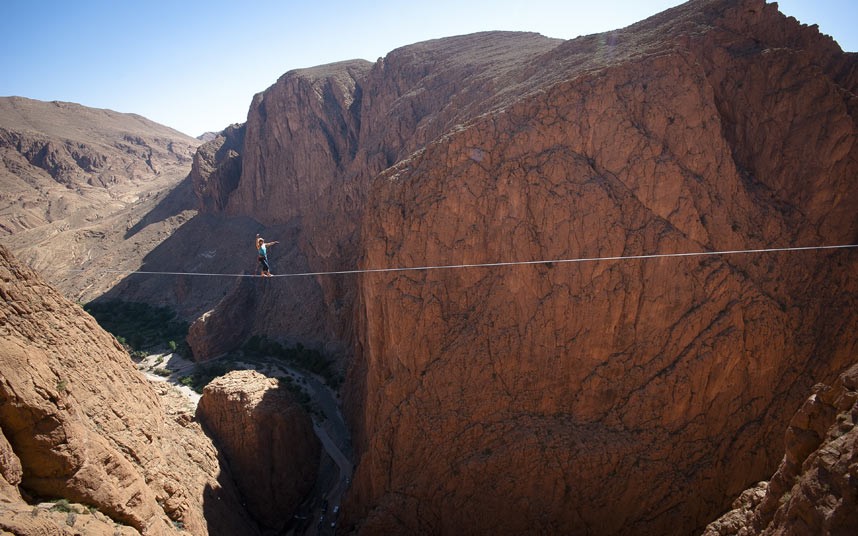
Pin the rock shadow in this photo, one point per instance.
(224, 509)
(176, 201)
(195, 267)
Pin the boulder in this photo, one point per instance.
(267, 440)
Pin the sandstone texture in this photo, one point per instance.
(80, 423)
(312, 143)
(268, 441)
(815, 489)
(88, 189)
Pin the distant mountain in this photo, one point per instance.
(75, 179)
(207, 136)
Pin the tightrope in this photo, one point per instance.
(485, 264)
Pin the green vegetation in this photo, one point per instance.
(303, 358)
(300, 395)
(140, 326)
(205, 373)
(63, 505)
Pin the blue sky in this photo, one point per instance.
(195, 65)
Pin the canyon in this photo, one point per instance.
(634, 396)
(518, 399)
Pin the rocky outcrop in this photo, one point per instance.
(84, 425)
(268, 440)
(217, 168)
(216, 332)
(59, 519)
(814, 490)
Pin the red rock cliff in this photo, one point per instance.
(631, 397)
(268, 441)
(312, 143)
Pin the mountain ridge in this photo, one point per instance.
(74, 179)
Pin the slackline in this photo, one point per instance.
(486, 264)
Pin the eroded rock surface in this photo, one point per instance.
(626, 397)
(267, 439)
(312, 143)
(814, 490)
(81, 423)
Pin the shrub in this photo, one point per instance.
(62, 505)
(203, 374)
(298, 356)
(140, 326)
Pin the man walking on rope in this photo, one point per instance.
(262, 254)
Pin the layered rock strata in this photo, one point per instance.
(80, 423)
(268, 440)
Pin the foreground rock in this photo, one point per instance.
(80, 423)
(815, 489)
(268, 441)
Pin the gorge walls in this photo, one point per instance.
(81, 423)
(620, 397)
(611, 397)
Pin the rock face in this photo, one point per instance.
(814, 491)
(311, 145)
(616, 397)
(634, 397)
(268, 441)
(88, 188)
(79, 422)
(217, 168)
